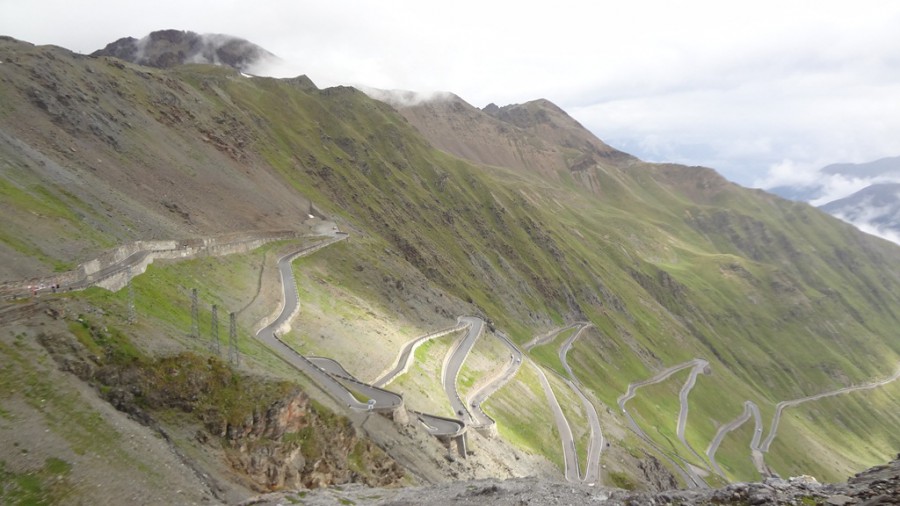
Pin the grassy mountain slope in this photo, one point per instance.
(543, 224)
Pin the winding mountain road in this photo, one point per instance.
(328, 373)
(750, 409)
(570, 455)
(476, 397)
(384, 400)
(453, 363)
(690, 476)
(407, 353)
(341, 385)
(596, 443)
(781, 406)
(702, 366)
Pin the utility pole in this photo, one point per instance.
(214, 324)
(195, 315)
(234, 355)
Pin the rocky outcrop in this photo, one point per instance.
(293, 445)
(877, 486)
(272, 435)
(167, 48)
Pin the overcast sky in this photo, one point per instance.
(762, 91)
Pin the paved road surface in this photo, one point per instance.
(407, 353)
(290, 303)
(596, 444)
(384, 399)
(440, 425)
(690, 476)
(702, 366)
(328, 373)
(773, 431)
(453, 363)
(570, 456)
(477, 397)
(750, 409)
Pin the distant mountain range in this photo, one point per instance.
(874, 209)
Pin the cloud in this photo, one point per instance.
(405, 97)
(865, 220)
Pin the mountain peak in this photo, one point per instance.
(168, 48)
(529, 114)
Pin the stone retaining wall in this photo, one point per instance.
(110, 270)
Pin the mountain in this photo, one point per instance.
(875, 208)
(167, 48)
(536, 136)
(669, 287)
(871, 209)
(883, 167)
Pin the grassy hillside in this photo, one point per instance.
(668, 262)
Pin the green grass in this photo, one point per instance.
(62, 409)
(548, 354)
(45, 486)
(421, 385)
(864, 441)
(733, 455)
(163, 304)
(523, 416)
(488, 356)
(622, 480)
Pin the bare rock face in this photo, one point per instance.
(279, 438)
(656, 475)
(293, 445)
(168, 48)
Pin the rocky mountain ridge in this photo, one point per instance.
(168, 48)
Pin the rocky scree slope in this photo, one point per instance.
(668, 262)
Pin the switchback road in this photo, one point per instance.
(477, 396)
(570, 455)
(750, 409)
(781, 406)
(691, 478)
(702, 366)
(596, 444)
(453, 363)
(328, 373)
(406, 356)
